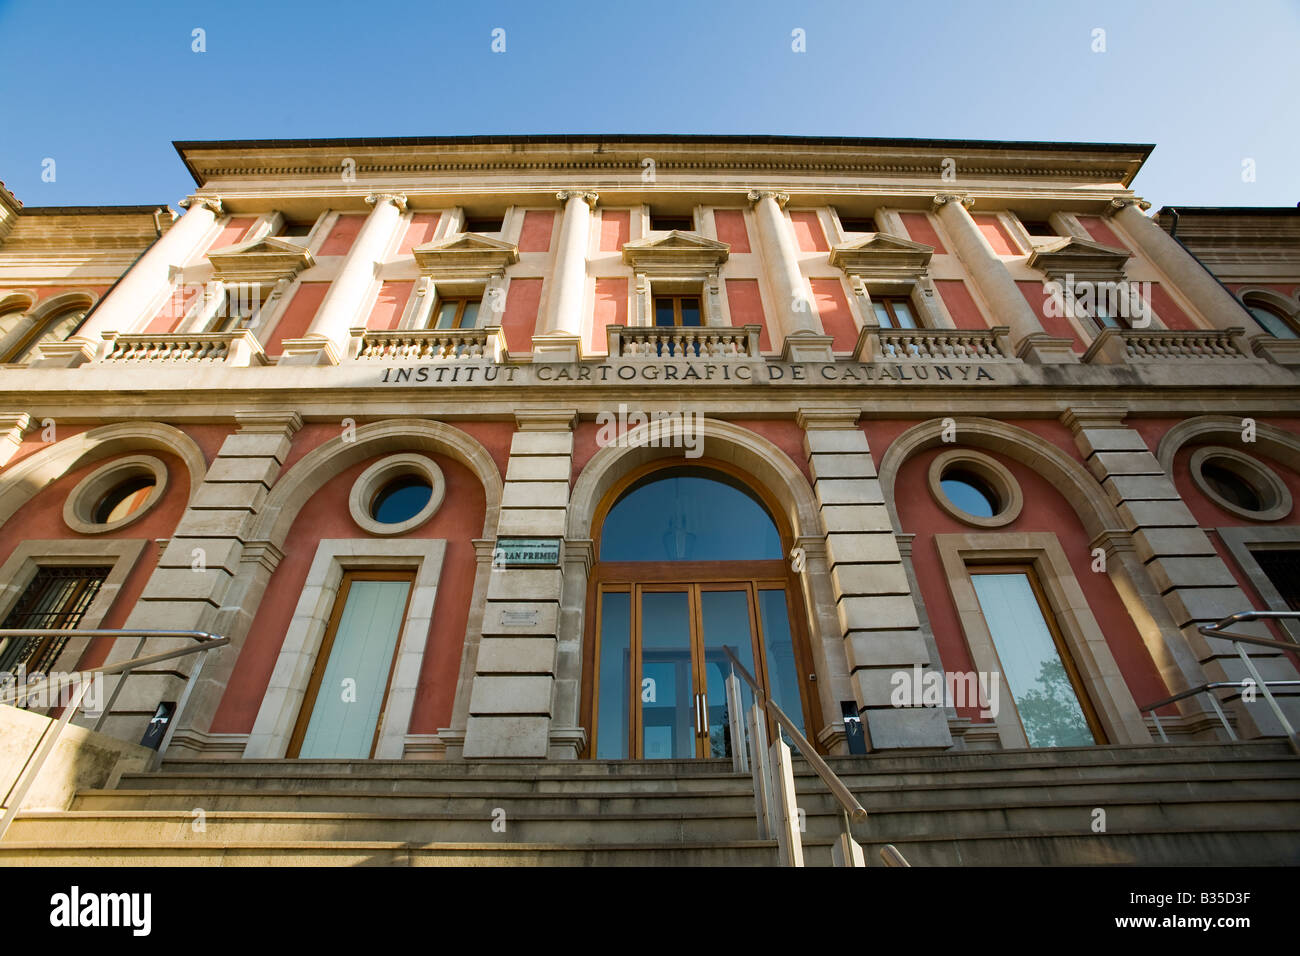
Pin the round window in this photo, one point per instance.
(1239, 483)
(1230, 486)
(401, 499)
(125, 498)
(970, 493)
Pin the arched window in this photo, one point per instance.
(690, 560)
(56, 327)
(1270, 318)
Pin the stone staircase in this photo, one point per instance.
(1191, 805)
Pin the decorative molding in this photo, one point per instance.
(942, 199)
(881, 256)
(467, 255)
(546, 419)
(212, 203)
(1120, 203)
(397, 199)
(263, 260)
(676, 254)
(1082, 258)
(758, 195)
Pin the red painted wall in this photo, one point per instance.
(535, 235)
(297, 315)
(837, 319)
(342, 235)
(611, 309)
(174, 309)
(615, 228)
(961, 304)
(520, 319)
(418, 231)
(996, 234)
(1170, 314)
(1045, 510)
(921, 229)
(808, 231)
(730, 224)
(745, 300)
(459, 520)
(389, 304)
(1101, 231)
(1057, 325)
(232, 232)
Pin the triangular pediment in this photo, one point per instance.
(675, 251)
(1082, 257)
(465, 254)
(268, 259)
(882, 255)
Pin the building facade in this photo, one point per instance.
(486, 447)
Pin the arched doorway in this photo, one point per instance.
(689, 559)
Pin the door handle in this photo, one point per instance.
(699, 716)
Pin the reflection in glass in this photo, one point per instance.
(726, 622)
(778, 647)
(969, 493)
(667, 691)
(1032, 668)
(615, 675)
(401, 499)
(688, 514)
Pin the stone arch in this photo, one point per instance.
(318, 466)
(23, 481)
(721, 440)
(1288, 304)
(1079, 487)
(21, 299)
(62, 302)
(1270, 440)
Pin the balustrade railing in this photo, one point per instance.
(1116, 346)
(934, 345)
(714, 343)
(239, 347)
(429, 345)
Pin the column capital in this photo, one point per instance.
(212, 203)
(758, 195)
(810, 418)
(587, 196)
(546, 419)
(256, 420)
(1120, 203)
(1080, 417)
(397, 199)
(942, 199)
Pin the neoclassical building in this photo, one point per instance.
(485, 447)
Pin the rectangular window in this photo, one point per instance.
(677, 310)
(57, 599)
(1038, 227)
(1037, 670)
(240, 305)
(458, 313)
(1282, 568)
(665, 223)
(484, 223)
(858, 224)
(296, 230)
(894, 312)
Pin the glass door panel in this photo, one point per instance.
(667, 691)
(725, 618)
(1035, 673)
(778, 650)
(614, 701)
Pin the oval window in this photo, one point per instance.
(124, 499)
(1229, 485)
(401, 499)
(970, 493)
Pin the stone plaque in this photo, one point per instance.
(526, 553)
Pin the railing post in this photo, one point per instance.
(789, 841)
(1268, 696)
(736, 720)
(845, 851)
(759, 769)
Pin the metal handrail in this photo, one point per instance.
(838, 790)
(205, 643)
(1217, 630)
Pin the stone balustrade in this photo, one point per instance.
(936, 345)
(237, 348)
(1129, 346)
(715, 343)
(428, 345)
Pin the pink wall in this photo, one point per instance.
(808, 231)
(745, 301)
(297, 315)
(389, 304)
(344, 233)
(1170, 314)
(1057, 325)
(174, 309)
(615, 228)
(520, 320)
(921, 229)
(996, 234)
(1100, 231)
(418, 231)
(459, 520)
(837, 319)
(730, 224)
(961, 305)
(232, 231)
(611, 309)
(535, 235)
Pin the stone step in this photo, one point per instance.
(373, 853)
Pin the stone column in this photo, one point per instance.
(877, 616)
(327, 336)
(805, 340)
(995, 284)
(1196, 585)
(191, 589)
(146, 285)
(1183, 271)
(513, 697)
(561, 340)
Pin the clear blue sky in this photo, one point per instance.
(104, 87)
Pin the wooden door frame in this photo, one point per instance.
(618, 576)
(327, 646)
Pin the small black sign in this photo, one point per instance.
(158, 724)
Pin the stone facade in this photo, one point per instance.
(283, 339)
